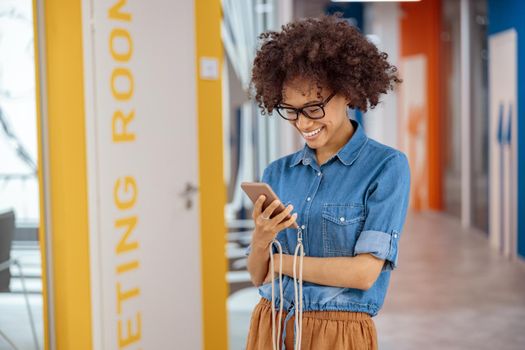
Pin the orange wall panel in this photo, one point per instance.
(420, 29)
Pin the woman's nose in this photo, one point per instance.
(303, 122)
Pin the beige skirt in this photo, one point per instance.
(331, 330)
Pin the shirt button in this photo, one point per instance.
(342, 218)
(303, 227)
(308, 199)
(395, 235)
(319, 174)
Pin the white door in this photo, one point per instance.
(140, 91)
(503, 142)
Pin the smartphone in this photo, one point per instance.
(255, 189)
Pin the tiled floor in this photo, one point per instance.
(450, 291)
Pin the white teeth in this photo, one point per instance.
(310, 134)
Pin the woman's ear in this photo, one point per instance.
(347, 101)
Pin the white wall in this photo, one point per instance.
(381, 21)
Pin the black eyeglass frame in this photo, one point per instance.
(321, 105)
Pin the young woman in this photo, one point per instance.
(347, 192)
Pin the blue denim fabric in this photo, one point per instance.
(355, 203)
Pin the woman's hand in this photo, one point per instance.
(266, 228)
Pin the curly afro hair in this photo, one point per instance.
(326, 51)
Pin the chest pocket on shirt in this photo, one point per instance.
(341, 225)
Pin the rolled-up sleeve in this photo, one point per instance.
(266, 179)
(386, 208)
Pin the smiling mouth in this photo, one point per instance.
(312, 133)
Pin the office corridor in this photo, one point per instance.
(450, 291)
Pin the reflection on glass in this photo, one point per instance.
(21, 322)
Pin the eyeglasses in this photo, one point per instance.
(312, 111)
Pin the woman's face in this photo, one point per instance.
(327, 132)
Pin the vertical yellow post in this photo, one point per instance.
(67, 180)
(212, 189)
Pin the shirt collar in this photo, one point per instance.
(347, 155)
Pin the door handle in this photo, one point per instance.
(189, 192)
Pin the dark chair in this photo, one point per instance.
(7, 230)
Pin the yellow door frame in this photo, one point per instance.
(63, 169)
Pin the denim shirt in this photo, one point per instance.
(354, 203)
